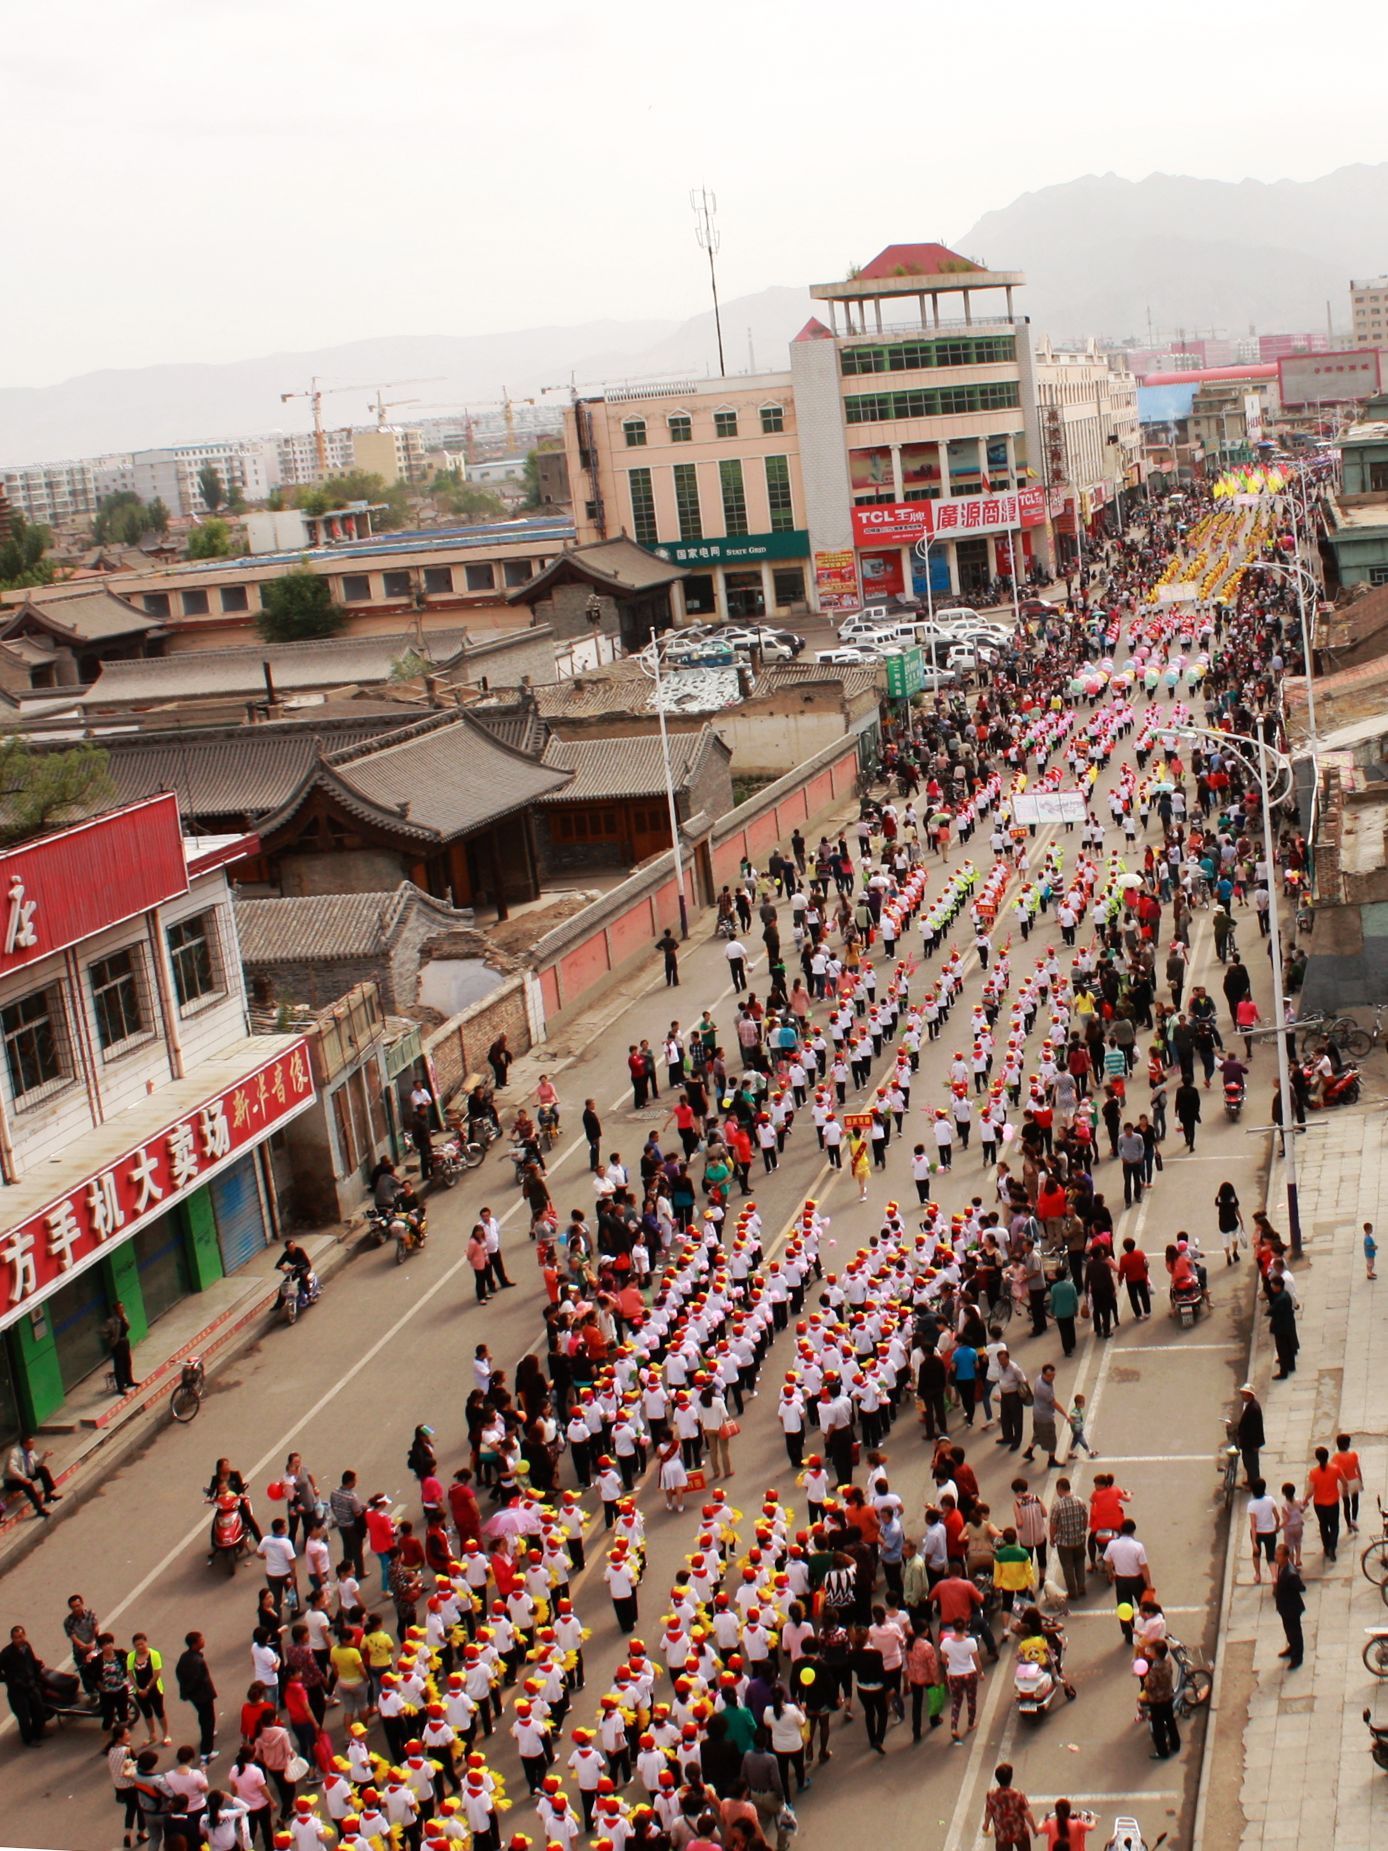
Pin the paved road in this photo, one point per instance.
(391, 1346)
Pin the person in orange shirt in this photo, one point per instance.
(1106, 1503)
(859, 1515)
(1323, 1484)
(1346, 1463)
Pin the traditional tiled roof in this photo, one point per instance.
(93, 616)
(434, 781)
(519, 726)
(794, 677)
(335, 925)
(330, 662)
(241, 771)
(608, 769)
(619, 566)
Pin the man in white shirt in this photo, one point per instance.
(1126, 1562)
(279, 1557)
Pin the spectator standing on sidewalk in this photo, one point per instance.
(669, 948)
(1289, 1597)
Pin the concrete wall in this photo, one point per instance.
(452, 985)
(766, 737)
(356, 870)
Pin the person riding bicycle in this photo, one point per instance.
(547, 1104)
(295, 1262)
(481, 1109)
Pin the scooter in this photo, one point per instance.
(297, 1292)
(1340, 1089)
(1186, 1305)
(65, 1698)
(229, 1541)
(1378, 1741)
(1127, 1836)
(1035, 1688)
(1234, 1094)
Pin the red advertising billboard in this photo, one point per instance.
(67, 886)
(112, 1203)
(902, 523)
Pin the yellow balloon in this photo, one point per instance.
(1125, 1609)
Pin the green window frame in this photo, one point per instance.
(773, 420)
(687, 501)
(725, 424)
(918, 354)
(734, 496)
(681, 427)
(634, 431)
(643, 529)
(778, 496)
(931, 402)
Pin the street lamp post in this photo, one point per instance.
(922, 551)
(650, 660)
(1231, 742)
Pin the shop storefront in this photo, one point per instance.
(744, 577)
(941, 548)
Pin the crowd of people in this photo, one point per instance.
(396, 1648)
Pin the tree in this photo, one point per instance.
(22, 561)
(211, 488)
(473, 504)
(39, 788)
(298, 607)
(123, 519)
(532, 497)
(210, 540)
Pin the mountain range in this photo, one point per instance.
(1102, 255)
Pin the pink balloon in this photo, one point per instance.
(1140, 1667)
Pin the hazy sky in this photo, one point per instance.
(214, 179)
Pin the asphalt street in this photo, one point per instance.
(389, 1346)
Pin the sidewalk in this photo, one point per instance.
(94, 1428)
(1289, 1763)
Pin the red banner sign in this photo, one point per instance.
(70, 885)
(114, 1203)
(905, 522)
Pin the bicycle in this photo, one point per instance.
(1374, 1559)
(1362, 1041)
(187, 1396)
(1315, 1031)
(1194, 1681)
(1229, 1457)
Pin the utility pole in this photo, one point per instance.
(706, 236)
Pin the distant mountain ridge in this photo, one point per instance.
(142, 407)
(1100, 252)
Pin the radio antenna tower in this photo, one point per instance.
(705, 206)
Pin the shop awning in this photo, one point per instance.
(65, 1215)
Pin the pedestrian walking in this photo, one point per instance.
(1323, 1494)
(963, 1674)
(1158, 1699)
(1043, 1417)
(1069, 1527)
(736, 954)
(1007, 1816)
(1289, 1597)
(1185, 1104)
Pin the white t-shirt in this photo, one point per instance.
(1126, 1556)
(1263, 1511)
(960, 1655)
(279, 1554)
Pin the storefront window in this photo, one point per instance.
(161, 1255)
(788, 586)
(700, 599)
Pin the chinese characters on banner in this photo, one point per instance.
(905, 522)
(110, 1206)
(836, 580)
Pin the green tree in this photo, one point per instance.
(211, 487)
(158, 517)
(236, 502)
(298, 608)
(473, 504)
(121, 519)
(211, 539)
(22, 556)
(445, 481)
(39, 788)
(532, 480)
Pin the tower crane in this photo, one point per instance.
(315, 394)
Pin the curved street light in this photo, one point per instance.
(649, 658)
(1269, 761)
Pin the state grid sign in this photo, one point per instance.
(1048, 807)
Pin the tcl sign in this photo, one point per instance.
(74, 883)
(902, 522)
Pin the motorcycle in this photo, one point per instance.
(409, 1230)
(522, 1154)
(229, 1541)
(297, 1292)
(1036, 1687)
(1340, 1089)
(1234, 1095)
(378, 1222)
(455, 1155)
(548, 1116)
(1378, 1740)
(64, 1697)
(1187, 1304)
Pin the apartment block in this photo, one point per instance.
(248, 467)
(1368, 301)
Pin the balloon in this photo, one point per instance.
(274, 1491)
(807, 1677)
(1140, 1667)
(1008, 1133)
(1125, 1611)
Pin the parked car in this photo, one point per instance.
(743, 638)
(848, 658)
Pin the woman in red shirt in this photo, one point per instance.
(1106, 1503)
(1323, 1483)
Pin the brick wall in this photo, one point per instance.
(460, 1046)
(711, 791)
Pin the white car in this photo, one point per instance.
(849, 658)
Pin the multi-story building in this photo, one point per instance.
(395, 452)
(1091, 440)
(917, 415)
(248, 467)
(52, 493)
(890, 449)
(1368, 301)
(706, 473)
(135, 1106)
(296, 454)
